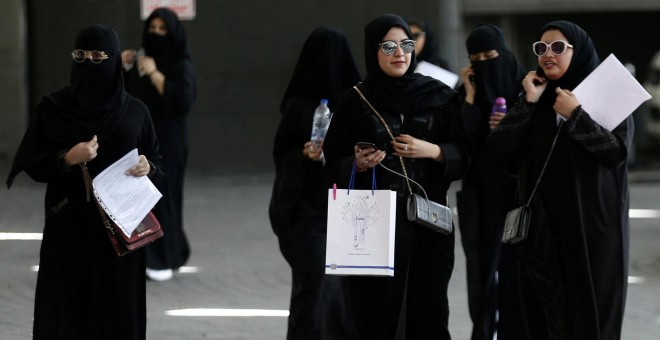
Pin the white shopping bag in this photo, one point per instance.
(360, 235)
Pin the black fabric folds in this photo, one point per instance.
(316, 75)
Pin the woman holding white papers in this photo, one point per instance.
(84, 290)
(573, 265)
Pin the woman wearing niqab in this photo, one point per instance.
(84, 290)
(424, 116)
(168, 88)
(573, 266)
(487, 191)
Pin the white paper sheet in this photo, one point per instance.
(610, 93)
(428, 69)
(126, 199)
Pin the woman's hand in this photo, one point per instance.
(82, 152)
(495, 119)
(128, 57)
(141, 169)
(411, 147)
(565, 103)
(311, 151)
(367, 158)
(534, 86)
(146, 65)
(467, 72)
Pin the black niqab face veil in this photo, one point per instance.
(98, 87)
(497, 77)
(174, 44)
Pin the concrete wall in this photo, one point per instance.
(13, 66)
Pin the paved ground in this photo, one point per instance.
(240, 267)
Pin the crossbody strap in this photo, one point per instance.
(538, 180)
(88, 189)
(387, 127)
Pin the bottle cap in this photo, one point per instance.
(324, 101)
(500, 101)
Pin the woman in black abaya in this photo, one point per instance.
(164, 80)
(425, 118)
(84, 290)
(487, 191)
(298, 205)
(573, 266)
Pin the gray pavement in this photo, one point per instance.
(239, 266)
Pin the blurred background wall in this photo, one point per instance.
(244, 53)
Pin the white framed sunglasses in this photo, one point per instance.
(557, 47)
(389, 46)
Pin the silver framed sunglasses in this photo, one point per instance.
(557, 47)
(389, 46)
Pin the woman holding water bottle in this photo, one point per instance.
(486, 195)
(325, 69)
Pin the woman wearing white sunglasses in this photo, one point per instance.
(573, 265)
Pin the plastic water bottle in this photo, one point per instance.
(321, 122)
(499, 106)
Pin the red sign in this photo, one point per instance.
(185, 9)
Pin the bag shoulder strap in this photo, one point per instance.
(88, 189)
(389, 131)
(538, 180)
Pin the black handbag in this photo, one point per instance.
(516, 224)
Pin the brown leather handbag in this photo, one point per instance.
(147, 231)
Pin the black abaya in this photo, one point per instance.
(84, 291)
(169, 113)
(574, 265)
(413, 304)
(298, 206)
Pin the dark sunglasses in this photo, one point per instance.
(389, 46)
(557, 47)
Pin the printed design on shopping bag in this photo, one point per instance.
(360, 214)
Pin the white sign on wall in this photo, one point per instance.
(185, 9)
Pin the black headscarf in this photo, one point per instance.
(584, 61)
(496, 77)
(172, 46)
(93, 104)
(431, 51)
(325, 68)
(408, 94)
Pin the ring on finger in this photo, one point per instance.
(366, 161)
(405, 147)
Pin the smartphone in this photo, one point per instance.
(366, 145)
